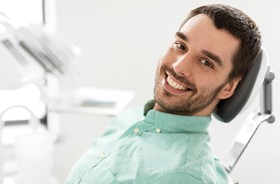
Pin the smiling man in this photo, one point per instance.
(193, 74)
(211, 52)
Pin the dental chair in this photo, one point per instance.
(258, 81)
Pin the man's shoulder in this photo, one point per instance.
(129, 116)
(187, 176)
(133, 113)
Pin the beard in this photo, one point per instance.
(189, 103)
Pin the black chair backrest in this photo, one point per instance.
(229, 108)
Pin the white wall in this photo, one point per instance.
(122, 40)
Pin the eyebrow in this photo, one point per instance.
(209, 54)
(214, 57)
(182, 36)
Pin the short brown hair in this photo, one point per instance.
(240, 26)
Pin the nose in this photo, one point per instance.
(183, 65)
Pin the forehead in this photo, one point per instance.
(203, 35)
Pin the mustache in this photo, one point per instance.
(180, 78)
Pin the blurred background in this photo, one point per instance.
(121, 42)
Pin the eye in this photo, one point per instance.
(180, 46)
(206, 63)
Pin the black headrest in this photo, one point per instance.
(229, 108)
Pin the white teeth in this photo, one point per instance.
(174, 84)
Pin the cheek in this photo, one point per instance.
(167, 57)
(209, 84)
(204, 82)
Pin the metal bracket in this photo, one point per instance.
(252, 123)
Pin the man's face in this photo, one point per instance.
(192, 76)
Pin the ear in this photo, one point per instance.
(228, 90)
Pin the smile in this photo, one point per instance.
(175, 84)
